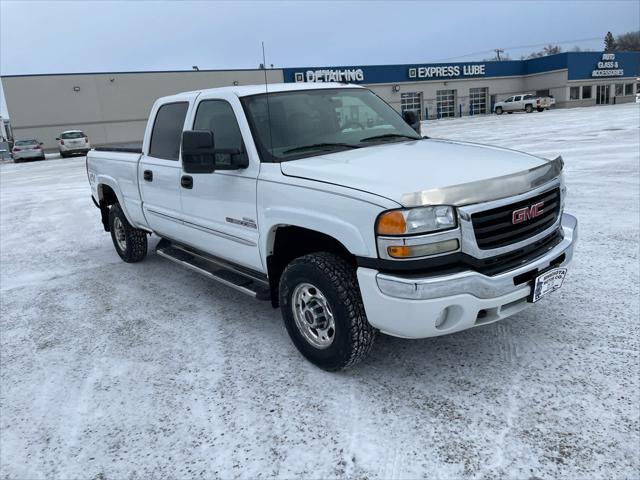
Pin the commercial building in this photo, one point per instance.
(113, 107)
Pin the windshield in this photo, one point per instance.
(21, 143)
(305, 123)
(72, 135)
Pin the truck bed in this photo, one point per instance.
(131, 147)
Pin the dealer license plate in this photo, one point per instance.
(548, 282)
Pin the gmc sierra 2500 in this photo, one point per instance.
(325, 201)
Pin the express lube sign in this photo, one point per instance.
(447, 71)
(607, 67)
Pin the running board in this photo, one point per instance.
(221, 271)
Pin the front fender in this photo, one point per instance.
(344, 232)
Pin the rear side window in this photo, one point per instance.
(167, 131)
(218, 117)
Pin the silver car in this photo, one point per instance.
(27, 150)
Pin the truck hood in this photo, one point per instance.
(427, 171)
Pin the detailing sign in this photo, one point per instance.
(447, 71)
(330, 75)
(608, 67)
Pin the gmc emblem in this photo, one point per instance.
(527, 213)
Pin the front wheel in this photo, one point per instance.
(130, 242)
(323, 312)
(498, 110)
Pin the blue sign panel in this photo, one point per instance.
(580, 65)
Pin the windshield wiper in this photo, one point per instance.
(320, 146)
(388, 135)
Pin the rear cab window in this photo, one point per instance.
(24, 143)
(72, 135)
(167, 131)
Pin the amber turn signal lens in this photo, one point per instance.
(392, 223)
(399, 252)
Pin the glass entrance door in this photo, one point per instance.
(602, 94)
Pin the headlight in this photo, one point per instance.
(416, 220)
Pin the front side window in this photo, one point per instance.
(218, 117)
(304, 123)
(167, 131)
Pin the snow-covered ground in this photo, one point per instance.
(111, 370)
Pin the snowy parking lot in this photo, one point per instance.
(112, 370)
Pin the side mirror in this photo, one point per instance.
(412, 119)
(199, 154)
(57, 138)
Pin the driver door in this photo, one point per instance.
(219, 208)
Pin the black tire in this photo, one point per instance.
(336, 279)
(528, 108)
(498, 110)
(509, 113)
(135, 240)
(540, 109)
(63, 155)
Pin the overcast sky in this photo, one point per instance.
(97, 36)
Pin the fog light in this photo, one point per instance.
(413, 251)
(442, 317)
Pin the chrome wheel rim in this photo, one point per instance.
(121, 236)
(313, 315)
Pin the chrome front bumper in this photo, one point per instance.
(412, 307)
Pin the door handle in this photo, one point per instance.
(148, 175)
(186, 181)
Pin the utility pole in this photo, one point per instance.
(498, 52)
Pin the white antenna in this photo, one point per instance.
(266, 89)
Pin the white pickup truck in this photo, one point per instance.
(524, 102)
(325, 201)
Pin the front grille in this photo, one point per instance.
(494, 228)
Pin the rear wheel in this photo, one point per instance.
(323, 311)
(130, 242)
(498, 110)
(63, 155)
(528, 108)
(540, 109)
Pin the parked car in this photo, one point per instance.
(73, 142)
(349, 226)
(27, 150)
(524, 102)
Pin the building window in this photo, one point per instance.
(478, 100)
(586, 91)
(619, 89)
(628, 88)
(446, 103)
(574, 93)
(411, 101)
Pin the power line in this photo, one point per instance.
(520, 48)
